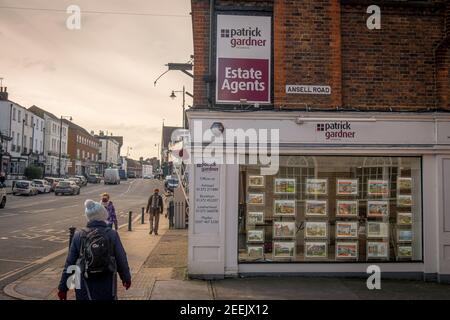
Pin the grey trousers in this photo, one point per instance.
(154, 221)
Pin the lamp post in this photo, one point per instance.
(60, 141)
(184, 92)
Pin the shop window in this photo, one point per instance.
(332, 209)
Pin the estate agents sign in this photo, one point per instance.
(243, 59)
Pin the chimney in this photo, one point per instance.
(3, 94)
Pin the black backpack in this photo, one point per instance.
(96, 252)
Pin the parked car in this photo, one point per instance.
(112, 176)
(83, 179)
(53, 182)
(76, 180)
(171, 183)
(2, 195)
(122, 174)
(25, 187)
(148, 176)
(42, 186)
(94, 178)
(67, 187)
(131, 174)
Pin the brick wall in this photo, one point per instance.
(326, 42)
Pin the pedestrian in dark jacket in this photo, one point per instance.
(100, 286)
(170, 210)
(109, 206)
(155, 207)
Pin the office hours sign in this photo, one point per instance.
(244, 51)
(207, 198)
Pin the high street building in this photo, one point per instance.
(347, 114)
(23, 134)
(55, 144)
(83, 149)
(109, 151)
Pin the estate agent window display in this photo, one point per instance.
(332, 209)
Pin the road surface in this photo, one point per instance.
(33, 228)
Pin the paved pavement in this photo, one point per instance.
(158, 263)
(159, 273)
(34, 230)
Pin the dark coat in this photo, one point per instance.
(102, 287)
(160, 204)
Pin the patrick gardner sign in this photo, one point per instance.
(207, 199)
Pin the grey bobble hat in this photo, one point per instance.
(95, 211)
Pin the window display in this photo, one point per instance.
(332, 209)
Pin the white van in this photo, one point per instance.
(112, 176)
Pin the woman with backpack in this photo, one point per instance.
(109, 206)
(96, 255)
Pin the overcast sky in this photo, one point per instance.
(103, 74)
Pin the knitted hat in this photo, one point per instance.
(94, 211)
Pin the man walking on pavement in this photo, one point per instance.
(155, 208)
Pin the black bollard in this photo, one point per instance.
(142, 215)
(71, 234)
(130, 213)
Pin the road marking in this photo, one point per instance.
(17, 261)
(40, 211)
(4, 238)
(72, 206)
(9, 215)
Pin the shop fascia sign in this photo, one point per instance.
(244, 53)
(334, 129)
(308, 89)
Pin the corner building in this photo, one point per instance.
(363, 138)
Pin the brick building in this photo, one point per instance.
(83, 148)
(353, 97)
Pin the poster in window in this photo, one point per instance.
(346, 250)
(316, 208)
(255, 252)
(347, 208)
(284, 208)
(255, 218)
(283, 249)
(346, 230)
(255, 235)
(316, 230)
(377, 209)
(377, 229)
(347, 187)
(316, 250)
(404, 218)
(316, 186)
(404, 235)
(377, 250)
(404, 200)
(404, 251)
(285, 186)
(256, 181)
(404, 185)
(378, 187)
(282, 229)
(256, 198)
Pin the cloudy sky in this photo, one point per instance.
(103, 74)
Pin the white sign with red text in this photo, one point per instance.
(244, 52)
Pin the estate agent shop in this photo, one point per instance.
(351, 191)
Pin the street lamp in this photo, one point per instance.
(60, 141)
(184, 92)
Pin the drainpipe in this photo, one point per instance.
(212, 4)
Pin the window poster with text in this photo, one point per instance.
(243, 59)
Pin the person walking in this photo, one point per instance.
(109, 206)
(98, 255)
(170, 210)
(155, 208)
